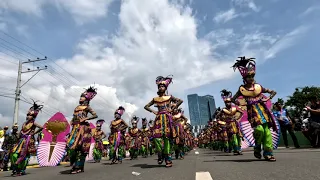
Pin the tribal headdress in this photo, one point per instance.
(166, 81)
(144, 121)
(134, 120)
(34, 110)
(100, 122)
(89, 93)
(246, 66)
(226, 95)
(15, 126)
(120, 111)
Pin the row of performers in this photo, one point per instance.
(246, 119)
(169, 128)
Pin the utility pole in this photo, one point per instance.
(18, 88)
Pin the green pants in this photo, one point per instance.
(235, 142)
(21, 167)
(113, 154)
(262, 136)
(97, 154)
(163, 148)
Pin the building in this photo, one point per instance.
(199, 108)
(197, 129)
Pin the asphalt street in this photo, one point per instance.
(200, 164)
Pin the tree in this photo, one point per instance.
(300, 97)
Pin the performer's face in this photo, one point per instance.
(81, 100)
(162, 88)
(29, 117)
(250, 79)
(134, 124)
(117, 116)
(228, 103)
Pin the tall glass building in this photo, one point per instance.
(199, 108)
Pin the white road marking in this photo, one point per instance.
(203, 176)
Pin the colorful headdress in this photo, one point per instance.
(246, 66)
(89, 93)
(100, 122)
(166, 81)
(134, 120)
(120, 111)
(34, 110)
(15, 126)
(144, 121)
(226, 95)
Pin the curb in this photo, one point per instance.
(38, 166)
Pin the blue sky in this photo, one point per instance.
(282, 34)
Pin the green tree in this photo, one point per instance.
(300, 97)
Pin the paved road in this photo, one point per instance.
(292, 164)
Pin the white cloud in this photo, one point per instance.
(82, 10)
(225, 16)
(309, 11)
(286, 41)
(31, 7)
(247, 3)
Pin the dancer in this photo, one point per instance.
(145, 134)
(80, 137)
(98, 146)
(228, 115)
(134, 133)
(152, 145)
(259, 116)
(10, 139)
(26, 147)
(178, 122)
(162, 130)
(118, 128)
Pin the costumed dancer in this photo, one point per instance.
(118, 128)
(162, 130)
(223, 133)
(80, 137)
(10, 140)
(228, 115)
(178, 122)
(152, 145)
(145, 134)
(98, 136)
(26, 147)
(134, 133)
(259, 116)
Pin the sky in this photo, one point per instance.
(121, 46)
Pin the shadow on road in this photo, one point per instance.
(237, 160)
(147, 166)
(65, 172)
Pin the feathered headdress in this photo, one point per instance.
(134, 120)
(144, 121)
(100, 122)
(89, 93)
(226, 95)
(166, 81)
(34, 110)
(246, 66)
(120, 111)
